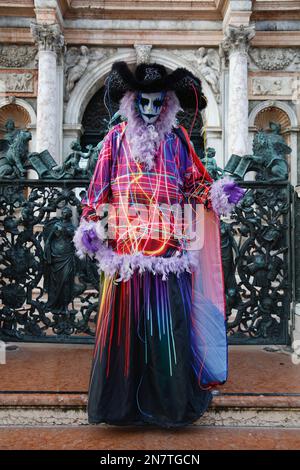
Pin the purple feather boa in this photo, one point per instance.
(145, 139)
(225, 194)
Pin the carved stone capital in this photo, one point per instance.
(237, 39)
(48, 37)
(143, 53)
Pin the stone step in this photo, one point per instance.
(127, 438)
(43, 384)
(237, 410)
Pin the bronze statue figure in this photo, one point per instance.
(59, 256)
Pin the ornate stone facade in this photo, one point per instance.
(143, 53)
(237, 39)
(47, 36)
(236, 58)
(278, 85)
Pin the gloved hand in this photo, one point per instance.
(225, 194)
(234, 192)
(90, 239)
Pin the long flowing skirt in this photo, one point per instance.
(141, 369)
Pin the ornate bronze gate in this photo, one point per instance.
(49, 295)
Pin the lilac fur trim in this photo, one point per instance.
(145, 139)
(219, 199)
(111, 263)
(84, 226)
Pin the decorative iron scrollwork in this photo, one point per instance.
(256, 252)
(48, 294)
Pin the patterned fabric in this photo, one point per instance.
(141, 370)
(124, 183)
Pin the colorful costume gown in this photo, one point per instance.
(160, 341)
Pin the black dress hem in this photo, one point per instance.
(149, 421)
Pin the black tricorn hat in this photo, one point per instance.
(153, 77)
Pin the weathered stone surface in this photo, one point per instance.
(127, 438)
(17, 55)
(231, 416)
(235, 47)
(253, 395)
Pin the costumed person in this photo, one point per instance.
(160, 340)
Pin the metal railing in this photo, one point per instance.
(49, 295)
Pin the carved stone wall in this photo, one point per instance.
(274, 82)
(279, 85)
(80, 61)
(20, 82)
(18, 56)
(207, 64)
(274, 58)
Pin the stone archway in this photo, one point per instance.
(275, 104)
(95, 119)
(18, 109)
(272, 113)
(23, 115)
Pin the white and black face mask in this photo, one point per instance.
(150, 105)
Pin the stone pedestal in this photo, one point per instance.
(235, 47)
(50, 41)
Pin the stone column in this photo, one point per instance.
(50, 42)
(235, 47)
(60, 109)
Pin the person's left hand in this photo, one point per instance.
(234, 192)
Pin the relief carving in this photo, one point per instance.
(17, 82)
(207, 63)
(272, 86)
(17, 56)
(80, 60)
(48, 37)
(271, 58)
(237, 39)
(143, 53)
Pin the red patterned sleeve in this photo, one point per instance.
(196, 186)
(196, 179)
(99, 187)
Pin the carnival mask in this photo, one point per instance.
(150, 105)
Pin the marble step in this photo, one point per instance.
(41, 385)
(227, 409)
(126, 438)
